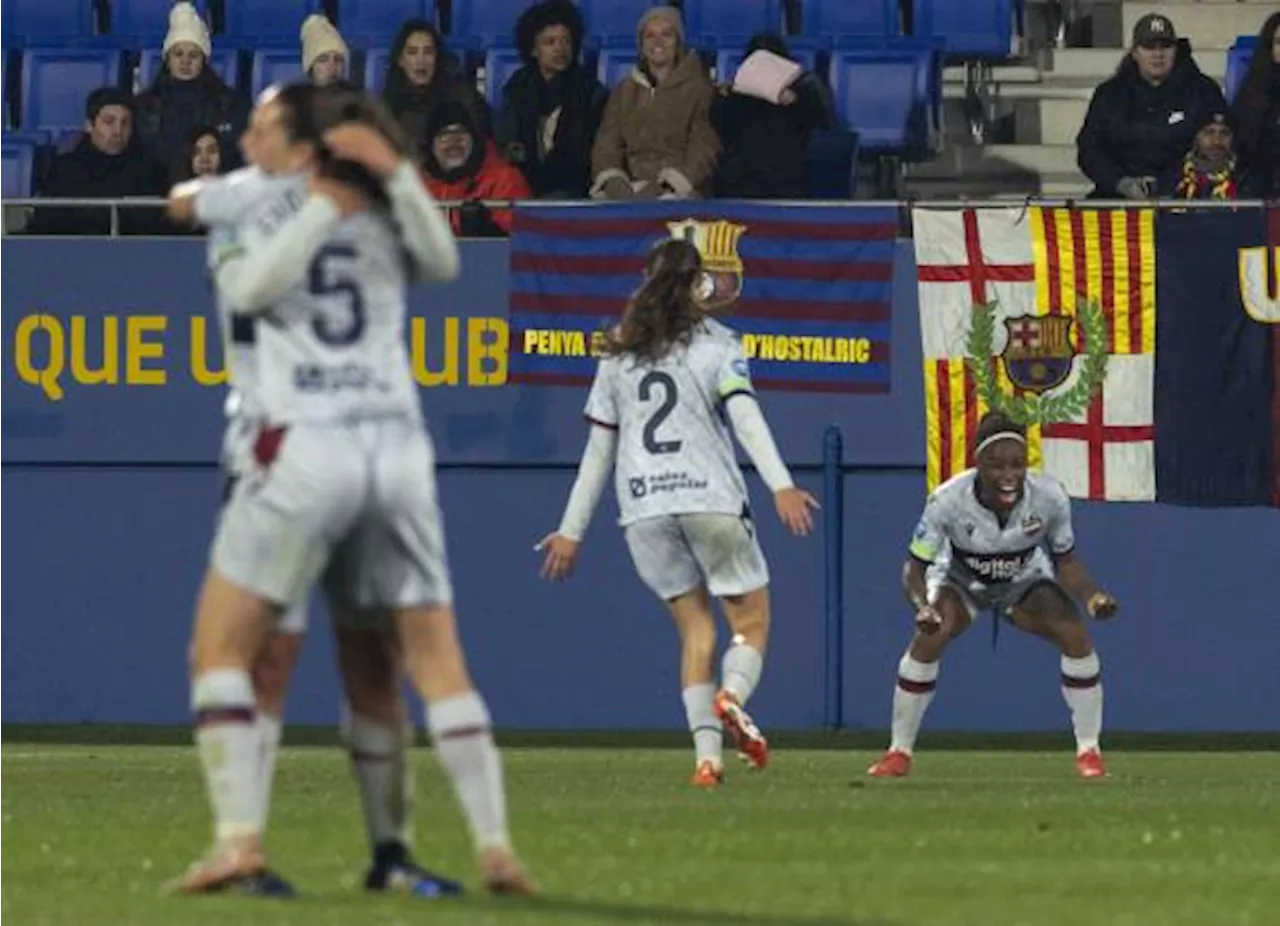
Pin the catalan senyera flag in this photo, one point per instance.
(1037, 268)
(808, 287)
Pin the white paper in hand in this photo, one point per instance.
(765, 75)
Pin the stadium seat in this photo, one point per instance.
(56, 81)
(146, 19)
(616, 65)
(274, 66)
(278, 20)
(967, 28)
(613, 17)
(225, 61)
(19, 150)
(499, 65)
(728, 60)
(835, 18)
(475, 24)
(704, 18)
(890, 96)
(833, 158)
(1238, 59)
(381, 19)
(375, 68)
(46, 21)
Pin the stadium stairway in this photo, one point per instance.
(1038, 104)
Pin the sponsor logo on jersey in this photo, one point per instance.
(1032, 525)
(637, 486)
(995, 567)
(717, 242)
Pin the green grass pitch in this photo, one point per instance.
(617, 836)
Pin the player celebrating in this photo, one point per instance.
(342, 471)
(657, 403)
(980, 545)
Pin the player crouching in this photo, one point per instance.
(980, 545)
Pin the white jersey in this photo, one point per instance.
(675, 452)
(332, 348)
(959, 536)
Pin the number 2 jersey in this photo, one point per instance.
(675, 451)
(332, 347)
(963, 540)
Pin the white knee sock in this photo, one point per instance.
(708, 737)
(911, 697)
(269, 730)
(460, 728)
(228, 742)
(378, 761)
(740, 670)
(1082, 689)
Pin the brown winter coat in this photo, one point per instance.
(659, 133)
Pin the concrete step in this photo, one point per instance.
(996, 188)
(1207, 23)
(1097, 64)
(968, 161)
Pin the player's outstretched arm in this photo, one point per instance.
(562, 544)
(1076, 580)
(794, 505)
(424, 227)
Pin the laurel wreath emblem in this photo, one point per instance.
(1038, 409)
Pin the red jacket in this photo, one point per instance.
(496, 179)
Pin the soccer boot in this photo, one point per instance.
(1089, 764)
(394, 870)
(502, 873)
(233, 866)
(893, 764)
(752, 745)
(708, 774)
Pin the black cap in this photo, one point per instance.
(1154, 29)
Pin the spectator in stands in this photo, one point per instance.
(205, 156)
(656, 139)
(421, 76)
(1257, 111)
(462, 164)
(324, 53)
(1143, 120)
(188, 93)
(1209, 170)
(107, 163)
(762, 144)
(551, 107)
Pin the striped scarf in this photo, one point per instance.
(1198, 182)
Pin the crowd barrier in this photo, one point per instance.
(112, 391)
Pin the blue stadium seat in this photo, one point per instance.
(19, 151)
(835, 18)
(728, 60)
(381, 19)
(225, 61)
(616, 65)
(499, 65)
(967, 28)
(56, 81)
(732, 17)
(46, 21)
(833, 159)
(375, 68)
(274, 66)
(278, 20)
(1238, 59)
(146, 19)
(889, 95)
(614, 17)
(476, 23)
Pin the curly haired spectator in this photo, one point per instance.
(188, 93)
(462, 164)
(1142, 121)
(419, 78)
(325, 55)
(1257, 111)
(551, 107)
(656, 139)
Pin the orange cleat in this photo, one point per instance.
(503, 874)
(708, 774)
(893, 764)
(752, 745)
(1089, 764)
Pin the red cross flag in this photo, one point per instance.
(1050, 288)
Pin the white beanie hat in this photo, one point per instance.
(319, 36)
(185, 25)
(669, 13)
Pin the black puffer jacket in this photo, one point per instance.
(527, 102)
(165, 115)
(84, 172)
(1134, 129)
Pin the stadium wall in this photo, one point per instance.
(111, 425)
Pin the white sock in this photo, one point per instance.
(740, 670)
(708, 737)
(460, 728)
(269, 730)
(1082, 689)
(228, 742)
(911, 697)
(377, 753)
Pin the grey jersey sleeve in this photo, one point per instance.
(602, 402)
(1057, 508)
(929, 537)
(223, 200)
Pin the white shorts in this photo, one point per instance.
(354, 502)
(675, 554)
(999, 597)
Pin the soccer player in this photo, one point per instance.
(658, 404)
(342, 479)
(981, 545)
